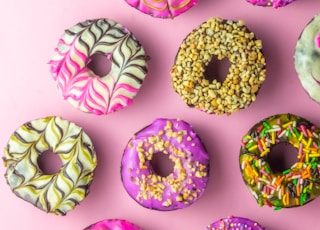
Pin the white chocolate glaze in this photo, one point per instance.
(57, 193)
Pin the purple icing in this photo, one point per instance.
(189, 178)
(235, 223)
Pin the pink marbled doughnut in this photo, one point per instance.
(162, 8)
(273, 3)
(113, 224)
(80, 85)
(188, 180)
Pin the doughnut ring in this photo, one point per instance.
(235, 223)
(113, 224)
(307, 58)
(80, 85)
(291, 187)
(189, 178)
(273, 3)
(57, 193)
(223, 39)
(162, 8)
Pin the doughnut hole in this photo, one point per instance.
(100, 64)
(49, 162)
(217, 69)
(161, 164)
(281, 157)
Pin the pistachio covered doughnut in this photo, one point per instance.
(235, 223)
(271, 3)
(60, 192)
(113, 224)
(80, 85)
(162, 8)
(223, 39)
(181, 188)
(293, 186)
(307, 58)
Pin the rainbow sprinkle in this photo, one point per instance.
(294, 186)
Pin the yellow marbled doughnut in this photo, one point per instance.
(60, 192)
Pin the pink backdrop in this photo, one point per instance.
(30, 32)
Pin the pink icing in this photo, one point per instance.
(80, 85)
(273, 3)
(318, 41)
(188, 152)
(164, 8)
(114, 224)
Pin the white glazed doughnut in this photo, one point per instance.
(60, 192)
(307, 58)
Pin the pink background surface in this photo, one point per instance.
(30, 32)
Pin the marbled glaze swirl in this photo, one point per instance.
(307, 58)
(162, 8)
(80, 85)
(57, 193)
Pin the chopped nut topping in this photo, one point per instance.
(223, 39)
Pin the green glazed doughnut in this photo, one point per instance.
(290, 187)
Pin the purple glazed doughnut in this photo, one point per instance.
(162, 8)
(189, 178)
(273, 3)
(235, 223)
(113, 224)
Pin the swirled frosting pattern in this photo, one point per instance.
(57, 193)
(273, 3)
(162, 8)
(113, 224)
(80, 85)
(307, 58)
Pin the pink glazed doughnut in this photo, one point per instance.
(189, 178)
(113, 224)
(80, 85)
(162, 8)
(235, 223)
(273, 3)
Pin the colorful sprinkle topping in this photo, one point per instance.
(234, 223)
(294, 186)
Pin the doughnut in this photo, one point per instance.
(294, 186)
(53, 193)
(307, 58)
(162, 8)
(113, 224)
(79, 85)
(272, 3)
(182, 187)
(223, 39)
(235, 223)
